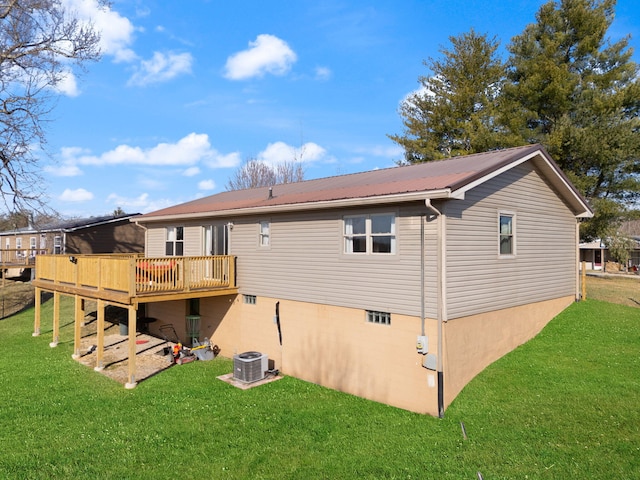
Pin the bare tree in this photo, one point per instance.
(252, 174)
(255, 173)
(41, 43)
(289, 172)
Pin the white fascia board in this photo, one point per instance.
(558, 180)
(296, 207)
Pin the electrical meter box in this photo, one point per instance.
(422, 344)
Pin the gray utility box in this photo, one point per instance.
(249, 367)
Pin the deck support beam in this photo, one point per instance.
(132, 348)
(78, 320)
(100, 332)
(36, 321)
(56, 320)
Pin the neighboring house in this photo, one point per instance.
(397, 285)
(106, 234)
(596, 254)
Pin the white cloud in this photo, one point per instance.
(64, 170)
(323, 73)
(268, 54)
(280, 152)
(188, 151)
(161, 68)
(78, 195)
(67, 84)
(141, 203)
(206, 185)
(116, 31)
(232, 159)
(191, 172)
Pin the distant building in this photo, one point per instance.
(106, 234)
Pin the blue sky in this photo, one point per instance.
(188, 91)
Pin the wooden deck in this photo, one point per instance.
(19, 257)
(133, 279)
(127, 280)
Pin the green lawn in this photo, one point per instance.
(565, 405)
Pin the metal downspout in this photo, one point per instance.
(442, 306)
(442, 296)
(423, 219)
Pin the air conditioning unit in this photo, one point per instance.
(249, 367)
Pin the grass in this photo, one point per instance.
(622, 289)
(564, 405)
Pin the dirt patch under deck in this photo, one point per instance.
(149, 349)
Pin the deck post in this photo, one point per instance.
(78, 317)
(100, 331)
(133, 262)
(232, 271)
(36, 321)
(56, 320)
(132, 348)
(186, 274)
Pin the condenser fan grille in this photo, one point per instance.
(249, 367)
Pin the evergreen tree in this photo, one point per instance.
(455, 111)
(565, 86)
(573, 91)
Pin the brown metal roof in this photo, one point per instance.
(451, 174)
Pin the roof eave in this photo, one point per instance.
(306, 206)
(557, 178)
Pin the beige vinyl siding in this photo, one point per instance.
(305, 262)
(193, 236)
(543, 267)
(157, 237)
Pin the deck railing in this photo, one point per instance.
(137, 275)
(20, 256)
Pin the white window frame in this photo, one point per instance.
(512, 234)
(378, 318)
(57, 244)
(171, 237)
(8, 243)
(18, 243)
(264, 233)
(368, 235)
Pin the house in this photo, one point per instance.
(105, 234)
(595, 254)
(397, 285)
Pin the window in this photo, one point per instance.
(507, 234)
(370, 233)
(265, 228)
(8, 244)
(249, 299)
(18, 243)
(43, 241)
(32, 243)
(57, 244)
(175, 241)
(381, 318)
